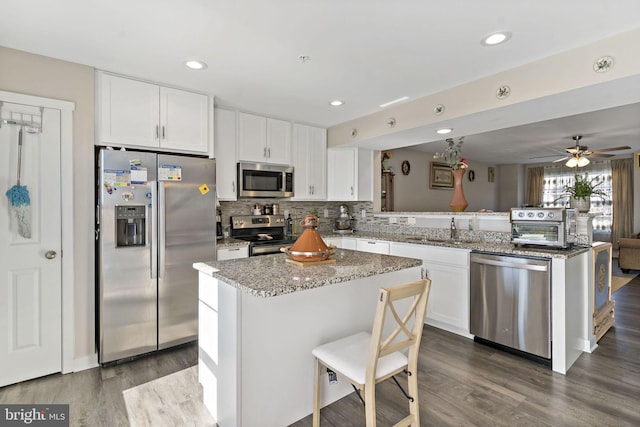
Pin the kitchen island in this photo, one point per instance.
(260, 317)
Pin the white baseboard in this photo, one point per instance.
(86, 362)
(590, 345)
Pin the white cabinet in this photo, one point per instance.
(333, 241)
(263, 139)
(226, 156)
(373, 246)
(448, 269)
(310, 162)
(350, 174)
(233, 253)
(135, 114)
(349, 243)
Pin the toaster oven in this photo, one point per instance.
(550, 227)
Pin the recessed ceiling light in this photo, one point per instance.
(495, 38)
(336, 103)
(444, 131)
(195, 64)
(395, 101)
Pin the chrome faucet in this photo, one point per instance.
(454, 229)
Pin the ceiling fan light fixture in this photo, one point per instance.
(572, 162)
(583, 161)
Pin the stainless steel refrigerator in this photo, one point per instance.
(156, 217)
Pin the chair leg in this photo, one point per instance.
(370, 405)
(316, 394)
(414, 404)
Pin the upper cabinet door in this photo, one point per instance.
(342, 174)
(183, 120)
(262, 139)
(350, 174)
(252, 137)
(225, 149)
(137, 114)
(310, 162)
(128, 112)
(278, 142)
(317, 163)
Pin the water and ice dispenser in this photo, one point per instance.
(130, 225)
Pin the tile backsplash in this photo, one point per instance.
(298, 210)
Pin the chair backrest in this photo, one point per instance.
(407, 330)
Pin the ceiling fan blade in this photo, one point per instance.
(562, 159)
(626, 147)
(544, 157)
(594, 154)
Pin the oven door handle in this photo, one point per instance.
(267, 249)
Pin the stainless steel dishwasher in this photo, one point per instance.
(511, 303)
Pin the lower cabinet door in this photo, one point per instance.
(233, 253)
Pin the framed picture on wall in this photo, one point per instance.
(440, 176)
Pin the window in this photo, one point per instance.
(556, 177)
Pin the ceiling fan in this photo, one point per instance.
(578, 155)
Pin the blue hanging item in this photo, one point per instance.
(19, 200)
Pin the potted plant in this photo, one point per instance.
(581, 191)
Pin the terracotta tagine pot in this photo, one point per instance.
(458, 202)
(310, 246)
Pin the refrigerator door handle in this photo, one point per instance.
(150, 230)
(162, 216)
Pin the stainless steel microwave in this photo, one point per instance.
(264, 180)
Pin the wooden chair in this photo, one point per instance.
(366, 359)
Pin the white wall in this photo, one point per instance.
(511, 181)
(50, 78)
(412, 192)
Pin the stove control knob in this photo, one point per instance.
(530, 214)
(540, 214)
(521, 214)
(551, 215)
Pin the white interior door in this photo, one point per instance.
(30, 268)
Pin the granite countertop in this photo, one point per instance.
(490, 247)
(270, 275)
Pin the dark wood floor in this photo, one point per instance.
(461, 383)
(95, 395)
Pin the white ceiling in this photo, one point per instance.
(364, 52)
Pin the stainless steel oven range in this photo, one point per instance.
(550, 227)
(265, 233)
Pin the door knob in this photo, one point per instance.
(50, 254)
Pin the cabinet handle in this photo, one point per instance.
(163, 136)
(313, 189)
(310, 190)
(233, 186)
(264, 152)
(352, 190)
(269, 152)
(157, 132)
